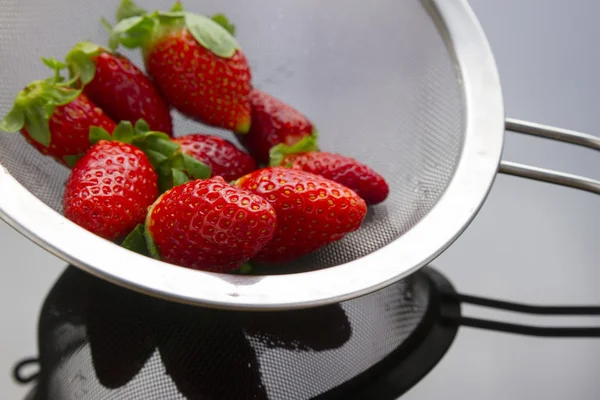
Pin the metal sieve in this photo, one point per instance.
(409, 87)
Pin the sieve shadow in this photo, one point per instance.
(206, 353)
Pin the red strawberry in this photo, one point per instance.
(273, 122)
(195, 62)
(110, 189)
(223, 158)
(311, 211)
(209, 225)
(347, 171)
(115, 84)
(55, 119)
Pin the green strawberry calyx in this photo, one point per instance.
(171, 164)
(279, 152)
(140, 241)
(80, 61)
(136, 241)
(34, 105)
(136, 29)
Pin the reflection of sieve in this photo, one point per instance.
(408, 87)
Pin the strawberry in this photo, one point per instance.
(111, 186)
(223, 158)
(115, 84)
(208, 225)
(312, 211)
(347, 171)
(273, 122)
(195, 62)
(55, 118)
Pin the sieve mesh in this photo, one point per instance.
(375, 77)
(100, 341)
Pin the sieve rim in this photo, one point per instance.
(457, 207)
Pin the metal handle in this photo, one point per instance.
(546, 175)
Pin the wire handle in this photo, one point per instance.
(546, 175)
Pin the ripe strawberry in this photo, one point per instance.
(311, 211)
(195, 62)
(209, 225)
(273, 122)
(55, 118)
(346, 171)
(223, 158)
(115, 84)
(110, 189)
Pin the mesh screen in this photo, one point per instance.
(374, 76)
(100, 341)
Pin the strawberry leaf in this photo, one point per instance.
(151, 246)
(80, 62)
(222, 20)
(14, 120)
(34, 106)
(279, 152)
(97, 134)
(165, 182)
(123, 132)
(179, 177)
(211, 35)
(132, 32)
(128, 9)
(57, 96)
(161, 145)
(53, 63)
(155, 158)
(195, 168)
(246, 269)
(72, 160)
(36, 118)
(56, 66)
(83, 67)
(141, 127)
(136, 241)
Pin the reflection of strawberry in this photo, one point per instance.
(109, 189)
(311, 211)
(223, 158)
(209, 225)
(116, 85)
(347, 171)
(195, 62)
(273, 122)
(54, 118)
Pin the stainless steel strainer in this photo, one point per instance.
(409, 87)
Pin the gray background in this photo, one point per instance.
(531, 242)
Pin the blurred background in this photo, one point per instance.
(531, 242)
